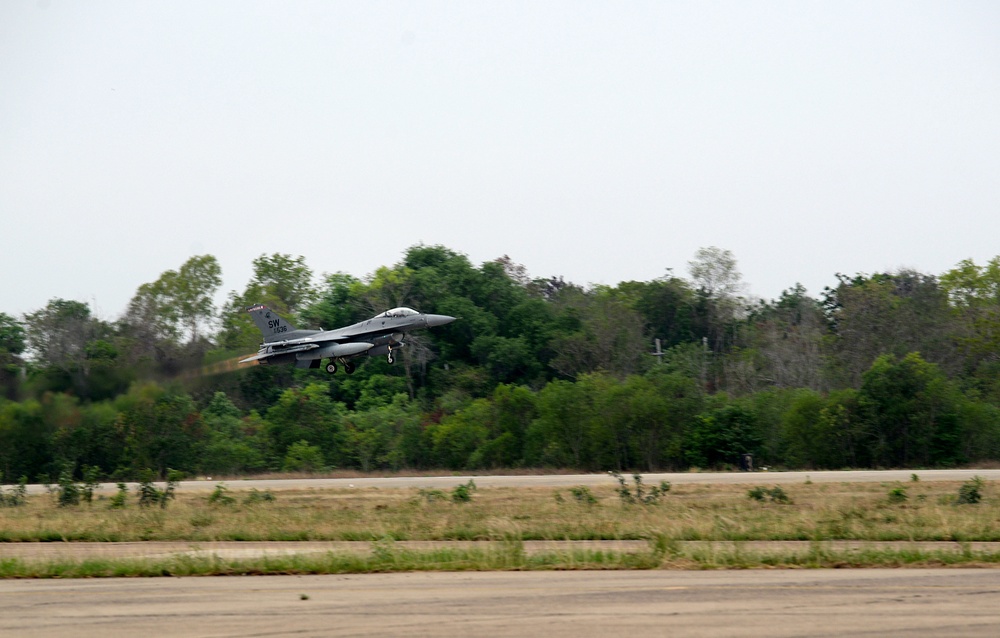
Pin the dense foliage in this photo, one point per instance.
(885, 370)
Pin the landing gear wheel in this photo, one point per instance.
(331, 367)
(348, 367)
(390, 359)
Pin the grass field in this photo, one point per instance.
(818, 513)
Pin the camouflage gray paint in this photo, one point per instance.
(380, 335)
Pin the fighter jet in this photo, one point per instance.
(381, 335)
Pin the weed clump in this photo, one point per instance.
(898, 495)
(17, 496)
(220, 495)
(150, 495)
(432, 495)
(582, 494)
(463, 493)
(255, 496)
(67, 492)
(640, 495)
(120, 499)
(91, 482)
(971, 491)
(776, 494)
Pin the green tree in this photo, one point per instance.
(282, 282)
(160, 429)
(232, 444)
(912, 412)
(12, 344)
(25, 440)
(302, 457)
(459, 435)
(286, 281)
(609, 338)
(722, 433)
(662, 442)
(719, 285)
(892, 313)
(73, 351)
(561, 435)
(338, 303)
(507, 359)
(974, 295)
(805, 441)
(59, 334)
(667, 305)
(307, 414)
(168, 320)
(388, 435)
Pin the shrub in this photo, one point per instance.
(17, 496)
(897, 495)
(68, 492)
(120, 499)
(432, 495)
(150, 495)
(256, 496)
(463, 493)
(582, 494)
(776, 494)
(971, 491)
(91, 482)
(640, 496)
(302, 457)
(220, 496)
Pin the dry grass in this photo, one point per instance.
(818, 512)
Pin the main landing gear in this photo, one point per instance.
(390, 359)
(349, 367)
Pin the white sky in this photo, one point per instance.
(600, 141)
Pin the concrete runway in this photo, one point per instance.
(775, 604)
(569, 480)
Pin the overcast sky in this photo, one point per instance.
(599, 141)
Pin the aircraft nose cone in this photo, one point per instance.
(438, 320)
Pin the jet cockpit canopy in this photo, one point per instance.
(397, 312)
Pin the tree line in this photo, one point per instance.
(894, 369)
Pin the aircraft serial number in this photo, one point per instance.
(276, 327)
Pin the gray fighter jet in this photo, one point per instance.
(381, 335)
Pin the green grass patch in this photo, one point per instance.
(386, 556)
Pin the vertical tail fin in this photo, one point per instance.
(273, 327)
